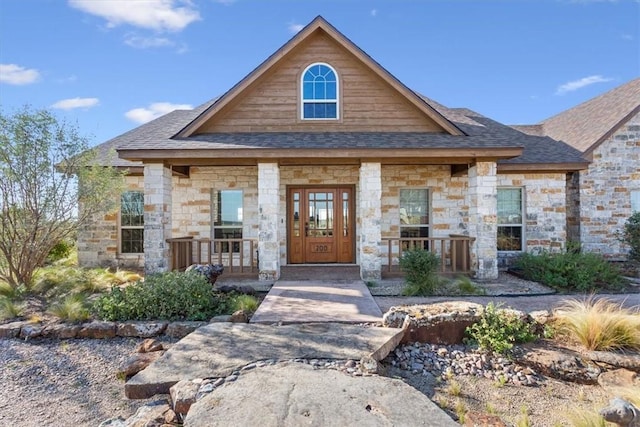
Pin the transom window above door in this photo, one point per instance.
(319, 92)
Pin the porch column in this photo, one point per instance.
(157, 217)
(370, 201)
(268, 212)
(483, 213)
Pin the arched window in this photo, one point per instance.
(319, 92)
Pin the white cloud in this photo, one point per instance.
(71, 103)
(374, 12)
(295, 28)
(16, 75)
(160, 15)
(153, 111)
(580, 83)
(147, 42)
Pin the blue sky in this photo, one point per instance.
(110, 65)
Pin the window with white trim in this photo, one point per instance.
(414, 214)
(319, 92)
(227, 212)
(132, 222)
(510, 219)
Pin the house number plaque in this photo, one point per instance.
(321, 248)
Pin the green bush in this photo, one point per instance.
(167, 296)
(419, 267)
(571, 271)
(60, 251)
(247, 303)
(498, 330)
(631, 236)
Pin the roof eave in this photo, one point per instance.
(542, 167)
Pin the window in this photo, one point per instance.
(635, 201)
(227, 218)
(510, 219)
(319, 92)
(132, 222)
(414, 215)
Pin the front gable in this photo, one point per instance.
(369, 99)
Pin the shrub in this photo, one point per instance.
(60, 251)
(9, 309)
(420, 268)
(73, 308)
(498, 330)
(569, 271)
(247, 303)
(631, 236)
(168, 296)
(599, 324)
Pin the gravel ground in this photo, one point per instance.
(63, 383)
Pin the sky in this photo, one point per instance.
(111, 65)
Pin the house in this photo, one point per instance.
(600, 198)
(321, 156)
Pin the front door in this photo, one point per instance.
(320, 225)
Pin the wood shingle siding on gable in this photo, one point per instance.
(367, 103)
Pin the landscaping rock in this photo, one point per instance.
(299, 394)
(240, 289)
(182, 329)
(221, 318)
(239, 316)
(113, 422)
(153, 414)
(138, 362)
(619, 378)
(11, 330)
(210, 271)
(183, 395)
(140, 329)
(622, 413)
(557, 362)
(149, 345)
(628, 361)
(61, 331)
(479, 419)
(97, 330)
(29, 331)
(442, 323)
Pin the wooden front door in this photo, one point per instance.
(320, 225)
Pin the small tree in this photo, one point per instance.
(42, 160)
(631, 236)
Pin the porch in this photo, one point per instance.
(240, 257)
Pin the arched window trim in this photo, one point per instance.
(335, 100)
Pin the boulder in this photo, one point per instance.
(221, 318)
(61, 331)
(622, 413)
(240, 289)
(182, 329)
(183, 395)
(11, 330)
(210, 271)
(140, 329)
(113, 422)
(137, 363)
(149, 345)
(152, 414)
(557, 362)
(441, 323)
(239, 316)
(97, 330)
(29, 331)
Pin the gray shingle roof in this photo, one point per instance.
(589, 123)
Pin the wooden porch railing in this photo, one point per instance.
(237, 255)
(454, 251)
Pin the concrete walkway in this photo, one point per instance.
(346, 301)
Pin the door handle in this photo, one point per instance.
(306, 229)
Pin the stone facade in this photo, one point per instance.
(483, 219)
(157, 217)
(545, 212)
(605, 191)
(268, 211)
(370, 236)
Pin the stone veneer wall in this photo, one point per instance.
(545, 212)
(98, 243)
(447, 197)
(605, 190)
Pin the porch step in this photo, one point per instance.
(320, 272)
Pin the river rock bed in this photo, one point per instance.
(448, 361)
